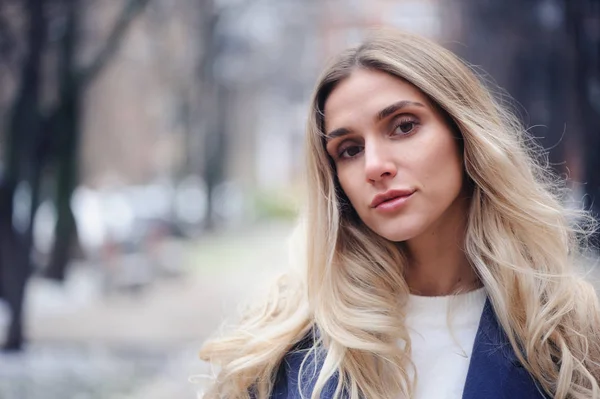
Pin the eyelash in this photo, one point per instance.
(398, 123)
(405, 120)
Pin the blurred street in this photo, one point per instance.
(144, 343)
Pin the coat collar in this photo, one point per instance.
(494, 370)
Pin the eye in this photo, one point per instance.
(349, 151)
(405, 126)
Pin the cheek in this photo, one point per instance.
(444, 169)
(350, 183)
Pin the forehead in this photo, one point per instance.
(364, 94)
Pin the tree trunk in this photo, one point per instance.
(24, 128)
(65, 232)
(65, 127)
(15, 268)
(214, 116)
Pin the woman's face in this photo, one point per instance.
(397, 159)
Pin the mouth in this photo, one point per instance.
(391, 200)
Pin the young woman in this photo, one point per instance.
(439, 259)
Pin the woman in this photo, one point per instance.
(439, 259)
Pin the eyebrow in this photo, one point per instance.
(384, 113)
(387, 111)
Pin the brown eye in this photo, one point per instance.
(350, 151)
(405, 126)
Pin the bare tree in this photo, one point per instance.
(36, 137)
(25, 122)
(64, 119)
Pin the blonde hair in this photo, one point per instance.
(519, 240)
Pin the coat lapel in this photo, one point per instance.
(494, 370)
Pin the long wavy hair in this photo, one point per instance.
(521, 241)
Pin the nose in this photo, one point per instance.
(379, 163)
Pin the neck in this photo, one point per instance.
(437, 261)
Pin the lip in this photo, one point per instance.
(391, 200)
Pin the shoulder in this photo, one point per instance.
(495, 370)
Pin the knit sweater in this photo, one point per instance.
(442, 332)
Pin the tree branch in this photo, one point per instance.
(129, 13)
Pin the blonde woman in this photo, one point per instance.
(439, 259)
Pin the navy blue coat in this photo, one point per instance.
(494, 370)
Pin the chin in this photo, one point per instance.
(398, 232)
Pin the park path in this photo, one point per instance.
(140, 344)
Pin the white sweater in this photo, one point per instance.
(442, 332)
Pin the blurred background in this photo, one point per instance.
(151, 161)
